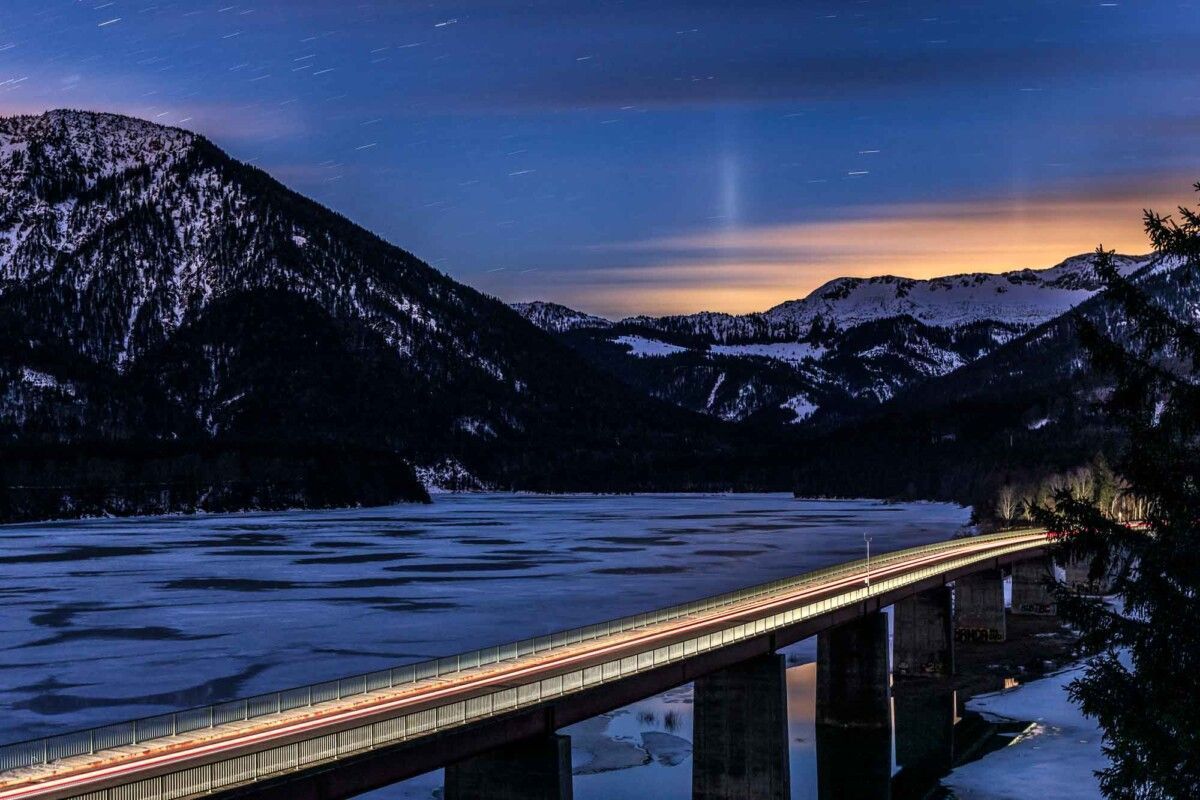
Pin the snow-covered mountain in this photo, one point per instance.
(139, 228)
(852, 340)
(1017, 415)
(178, 330)
(1022, 298)
(558, 318)
(198, 324)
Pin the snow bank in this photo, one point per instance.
(597, 751)
(1054, 760)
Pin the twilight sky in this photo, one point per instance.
(665, 155)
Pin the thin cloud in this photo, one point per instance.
(754, 268)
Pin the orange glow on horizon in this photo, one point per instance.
(753, 269)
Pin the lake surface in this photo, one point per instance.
(105, 620)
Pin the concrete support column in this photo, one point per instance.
(535, 769)
(853, 681)
(979, 607)
(1030, 588)
(740, 738)
(923, 634)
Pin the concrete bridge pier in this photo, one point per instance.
(740, 737)
(853, 679)
(923, 634)
(534, 769)
(1031, 592)
(979, 607)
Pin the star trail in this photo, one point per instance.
(626, 157)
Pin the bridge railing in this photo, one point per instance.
(54, 748)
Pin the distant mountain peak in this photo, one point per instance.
(147, 225)
(1022, 298)
(558, 318)
(1018, 299)
(95, 145)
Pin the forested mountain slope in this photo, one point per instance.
(852, 343)
(180, 331)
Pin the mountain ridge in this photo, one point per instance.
(179, 331)
(851, 342)
(218, 328)
(1019, 415)
(1071, 275)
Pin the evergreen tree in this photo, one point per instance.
(1144, 684)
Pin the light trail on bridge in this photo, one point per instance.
(79, 775)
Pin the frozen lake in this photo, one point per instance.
(106, 620)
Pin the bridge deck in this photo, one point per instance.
(190, 758)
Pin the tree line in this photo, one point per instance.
(1094, 482)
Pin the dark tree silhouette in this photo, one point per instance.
(1144, 684)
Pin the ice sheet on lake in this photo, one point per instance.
(110, 619)
(1055, 760)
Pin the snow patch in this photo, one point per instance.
(741, 406)
(791, 352)
(712, 396)
(1058, 754)
(448, 475)
(1159, 407)
(642, 347)
(44, 380)
(801, 406)
(477, 427)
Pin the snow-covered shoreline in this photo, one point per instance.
(1055, 758)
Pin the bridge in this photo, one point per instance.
(490, 716)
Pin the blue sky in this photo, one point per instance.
(651, 156)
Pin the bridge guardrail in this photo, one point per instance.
(89, 741)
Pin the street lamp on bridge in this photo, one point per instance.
(867, 539)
